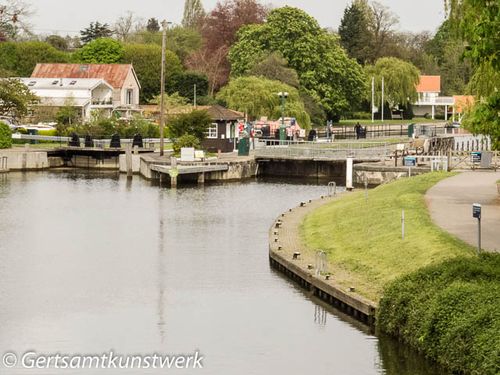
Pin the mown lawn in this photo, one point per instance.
(362, 238)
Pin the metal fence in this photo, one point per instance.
(332, 151)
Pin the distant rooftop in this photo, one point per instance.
(114, 74)
(64, 83)
(429, 84)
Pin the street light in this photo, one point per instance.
(283, 96)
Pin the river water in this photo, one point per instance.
(92, 262)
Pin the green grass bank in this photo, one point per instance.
(433, 292)
(363, 240)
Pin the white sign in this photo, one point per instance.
(187, 154)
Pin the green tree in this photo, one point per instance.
(15, 97)
(68, 113)
(185, 140)
(96, 30)
(354, 31)
(153, 26)
(146, 59)
(21, 58)
(195, 124)
(258, 97)
(101, 51)
(400, 80)
(5, 136)
(325, 71)
(193, 12)
(184, 82)
(275, 67)
(484, 118)
(58, 42)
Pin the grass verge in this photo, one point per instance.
(362, 238)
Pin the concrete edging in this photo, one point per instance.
(283, 245)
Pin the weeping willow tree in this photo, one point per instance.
(478, 23)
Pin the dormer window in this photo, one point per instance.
(32, 83)
(55, 82)
(72, 83)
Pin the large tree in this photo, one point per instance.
(478, 23)
(258, 97)
(13, 15)
(95, 30)
(325, 71)
(400, 80)
(382, 22)
(146, 59)
(354, 31)
(101, 51)
(193, 13)
(275, 67)
(218, 30)
(20, 58)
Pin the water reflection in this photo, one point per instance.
(93, 262)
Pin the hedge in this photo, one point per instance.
(450, 312)
(5, 136)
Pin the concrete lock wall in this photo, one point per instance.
(25, 160)
(303, 168)
(136, 163)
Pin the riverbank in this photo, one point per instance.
(432, 292)
(362, 235)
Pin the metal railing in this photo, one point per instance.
(368, 151)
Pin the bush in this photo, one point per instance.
(449, 312)
(5, 136)
(195, 123)
(185, 141)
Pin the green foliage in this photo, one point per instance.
(101, 51)
(106, 127)
(58, 42)
(5, 136)
(146, 59)
(367, 244)
(484, 118)
(153, 26)
(67, 114)
(449, 311)
(400, 80)
(325, 71)
(15, 97)
(183, 84)
(185, 140)
(195, 124)
(354, 32)
(95, 31)
(275, 67)
(259, 97)
(20, 58)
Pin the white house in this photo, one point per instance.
(121, 77)
(428, 91)
(86, 94)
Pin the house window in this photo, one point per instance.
(32, 83)
(55, 82)
(212, 131)
(130, 96)
(72, 83)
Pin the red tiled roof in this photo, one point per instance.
(429, 84)
(114, 74)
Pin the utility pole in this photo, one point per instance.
(373, 99)
(194, 101)
(382, 98)
(162, 87)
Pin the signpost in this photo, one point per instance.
(476, 213)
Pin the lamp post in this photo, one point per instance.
(283, 96)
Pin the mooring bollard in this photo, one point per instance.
(296, 255)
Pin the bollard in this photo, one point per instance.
(128, 160)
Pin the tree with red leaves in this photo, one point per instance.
(218, 29)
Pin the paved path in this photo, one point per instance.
(450, 205)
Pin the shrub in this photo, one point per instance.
(5, 136)
(185, 141)
(449, 312)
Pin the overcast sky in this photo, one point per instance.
(70, 16)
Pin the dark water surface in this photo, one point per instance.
(92, 262)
